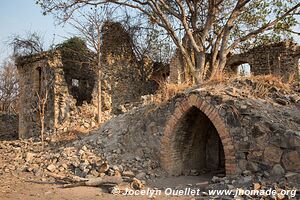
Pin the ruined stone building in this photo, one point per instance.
(69, 102)
(124, 77)
(280, 59)
(230, 128)
(72, 86)
(72, 98)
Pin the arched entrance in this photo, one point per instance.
(244, 69)
(197, 139)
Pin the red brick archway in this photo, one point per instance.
(168, 155)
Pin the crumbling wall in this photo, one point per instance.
(64, 110)
(280, 59)
(123, 79)
(72, 101)
(9, 126)
(74, 98)
(33, 71)
(177, 71)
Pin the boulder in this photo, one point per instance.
(291, 161)
(272, 155)
(51, 168)
(29, 157)
(277, 171)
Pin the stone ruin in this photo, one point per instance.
(72, 102)
(220, 128)
(220, 125)
(125, 78)
(246, 127)
(280, 59)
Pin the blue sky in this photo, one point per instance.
(21, 16)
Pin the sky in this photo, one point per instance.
(21, 16)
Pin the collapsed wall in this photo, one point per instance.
(71, 82)
(125, 78)
(219, 128)
(67, 104)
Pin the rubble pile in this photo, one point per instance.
(52, 161)
(262, 115)
(77, 160)
(28, 156)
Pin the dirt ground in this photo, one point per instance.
(16, 185)
(25, 186)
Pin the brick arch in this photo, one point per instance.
(167, 152)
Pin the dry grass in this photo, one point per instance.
(257, 86)
(265, 85)
(219, 78)
(167, 91)
(261, 86)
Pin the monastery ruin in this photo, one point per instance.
(197, 130)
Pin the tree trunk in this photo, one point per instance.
(42, 129)
(219, 66)
(200, 66)
(99, 95)
(222, 61)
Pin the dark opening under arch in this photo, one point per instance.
(196, 137)
(197, 145)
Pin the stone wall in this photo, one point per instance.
(124, 78)
(46, 72)
(280, 59)
(8, 127)
(73, 88)
(177, 72)
(252, 138)
(31, 69)
(260, 135)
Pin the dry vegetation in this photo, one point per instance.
(261, 86)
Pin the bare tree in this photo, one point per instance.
(89, 25)
(29, 44)
(43, 97)
(42, 100)
(9, 85)
(214, 27)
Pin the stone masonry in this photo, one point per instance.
(45, 72)
(9, 126)
(124, 78)
(232, 127)
(280, 59)
(204, 130)
(72, 88)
